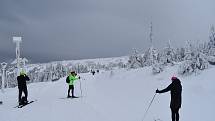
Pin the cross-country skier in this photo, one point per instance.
(72, 77)
(22, 78)
(175, 88)
(93, 72)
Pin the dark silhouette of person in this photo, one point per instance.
(22, 78)
(175, 104)
(93, 72)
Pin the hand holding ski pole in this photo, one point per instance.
(157, 91)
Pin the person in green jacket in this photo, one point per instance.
(72, 78)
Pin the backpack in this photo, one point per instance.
(67, 79)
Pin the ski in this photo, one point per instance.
(21, 106)
(68, 97)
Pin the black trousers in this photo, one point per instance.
(71, 87)
(175, 114)
(25, 90)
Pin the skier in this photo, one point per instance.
(175, 88)
(72, 77)
(93, 72)
(97, 71)
(22, 78)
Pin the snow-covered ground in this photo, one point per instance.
(120, 95)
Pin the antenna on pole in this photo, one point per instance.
(151, 42)
(17, 40)
(151, 34)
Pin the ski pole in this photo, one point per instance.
(149, 107)
(81, 88)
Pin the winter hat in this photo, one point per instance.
(22, 72)
(174, 78)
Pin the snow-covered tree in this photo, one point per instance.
(194, 60)
(150, 56)
(163, 58)
(157, 68)
(211, 44)
(168, 55)
(179, 54)
(135, 60)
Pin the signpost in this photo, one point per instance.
(3, 65)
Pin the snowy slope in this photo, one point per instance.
(120, 95)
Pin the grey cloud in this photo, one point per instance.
(76, 29)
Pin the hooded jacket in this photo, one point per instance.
(175, 89)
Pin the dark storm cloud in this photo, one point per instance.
(75, 29)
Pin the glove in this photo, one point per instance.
(157, 91)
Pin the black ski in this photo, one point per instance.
(69, 97)
(20, 106)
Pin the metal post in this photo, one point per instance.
(7, 73)
(17, 40)
(81, 88)
(3, 65)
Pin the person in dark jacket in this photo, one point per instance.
(93, 72)
(22, 78)
(175, 104)
(97, 70)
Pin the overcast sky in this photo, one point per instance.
(76, 29)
